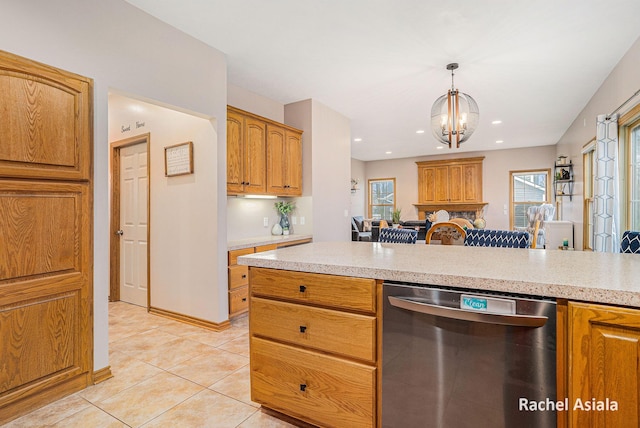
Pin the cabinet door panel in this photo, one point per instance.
(441, 184)
(455, 183)
(45, 127)
(472, 176)
(235, 152)
(255, 156)
(276, 180)
(427, 189)
(293, 163)
(45, 292)
(603, 364)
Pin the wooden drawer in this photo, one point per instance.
(238, 276)
(238, 301)
(234, 254)
(320, 389)
(342, 333)
(267, 247)
(328, 290)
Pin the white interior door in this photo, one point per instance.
(134, 187)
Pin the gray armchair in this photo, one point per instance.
(357, 230)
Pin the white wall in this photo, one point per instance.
(495, 178)
(326, 166)
(253, 103)
(183, 210)
(245, 217)
(121, 47)
(622, 82)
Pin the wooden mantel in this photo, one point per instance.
(451, 206)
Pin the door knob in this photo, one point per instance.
(120, 232)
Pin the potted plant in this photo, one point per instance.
(395, 217)
(284, 208)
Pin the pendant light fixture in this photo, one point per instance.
(454, 116)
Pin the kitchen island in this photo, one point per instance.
(582, 283)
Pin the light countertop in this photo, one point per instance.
(264, 240)
(575, 275)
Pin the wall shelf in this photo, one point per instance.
(563, 180)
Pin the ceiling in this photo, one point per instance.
(381, 63)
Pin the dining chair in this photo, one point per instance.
(497, 238)
(402, 236)
(447, 232)
(462, 222)
(630, 242)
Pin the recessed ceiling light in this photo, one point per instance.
(357, 140)
(496, 122)
(388, 153)
(420, 131)
(440, 147)
(499, 141)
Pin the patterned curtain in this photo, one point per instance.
(606, 192)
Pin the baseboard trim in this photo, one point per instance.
(102, 375)
(190, 320)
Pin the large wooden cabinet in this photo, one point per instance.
(314, 346)
(450, 181)
(263, 157)
(603, 366)
(46, 274)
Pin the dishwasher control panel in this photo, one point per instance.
(487, 304)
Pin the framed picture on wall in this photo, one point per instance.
(178, 159)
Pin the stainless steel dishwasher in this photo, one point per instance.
(454, 359)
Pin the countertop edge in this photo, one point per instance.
(240, 244)
(531, 288)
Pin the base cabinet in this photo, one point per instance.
(313, 356)
(603, 366)
(238, 275)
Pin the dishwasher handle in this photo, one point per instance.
(465, 315)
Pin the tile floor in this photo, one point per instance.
(165, 374)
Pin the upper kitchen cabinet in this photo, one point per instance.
(451, 181)
(284, 161)
(246, 154)
(263, 157)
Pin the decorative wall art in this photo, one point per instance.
(178, 159)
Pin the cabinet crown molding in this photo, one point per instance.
(477, 159)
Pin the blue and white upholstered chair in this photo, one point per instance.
(496, 238)
(630, 242)
(403, 236)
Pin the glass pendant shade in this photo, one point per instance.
(454, 116)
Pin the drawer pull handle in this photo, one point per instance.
(244, 276)
(303, 386)
(303, 328)
(244, 299)
(303, 288)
